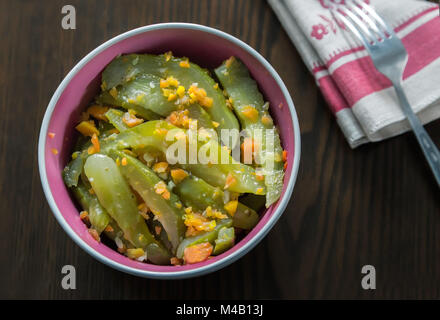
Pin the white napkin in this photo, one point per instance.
(362, 100)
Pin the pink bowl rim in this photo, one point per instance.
(198, 271)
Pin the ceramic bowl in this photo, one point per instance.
(203, 45)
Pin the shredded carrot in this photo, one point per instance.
(178, 175)
(166, 195)
(259, 176)
(250, 112)
(94, 234)
(231, 207)
(87, 128)
(124, 161)
(180, 91)
(160, 167)
(83, 215)
(213, 213)
(184, 64)
(163, 83)
(98, 112)
(95, 143)
(91, 150)
(179, 118)
(109, 228)
(285, 165)
(51, 135)
(175, 261)
(54, 151)
(207, 102)
(191, 231)
(229, 61)
(198, 221)
(173, 81)
(230, 181)
(199, 95)
(197, 253)
(160, 131)
(249, 147)
(160, 187)
(130, 119)
(284, 155)
(172, 97)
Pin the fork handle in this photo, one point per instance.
(429, 149)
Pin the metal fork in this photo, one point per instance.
(389, 57)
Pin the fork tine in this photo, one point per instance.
(364, 16)
(377, 18)
(365, 32)
(353, 28)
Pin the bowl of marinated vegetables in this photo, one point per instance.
(169, 151)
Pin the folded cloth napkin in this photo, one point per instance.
(362, 99)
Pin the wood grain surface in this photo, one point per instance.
(376, 205)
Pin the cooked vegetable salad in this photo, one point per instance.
(152, 205)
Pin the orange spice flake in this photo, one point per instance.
(178, 175)
(94, 234)
(231, 207)
(130, 120)
(197, 253)
(184, 64)
(230, 181)
(175, 261)
(249, 147)
(199, 95)
(87, 128)
(160, 167)
(250, 112)
(229, 61)
(161, 188)
(51, 135)
(95, 143)
(54, 151)
(98, 112)
(179, 118)
(83, 215)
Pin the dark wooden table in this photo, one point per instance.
(376, 205)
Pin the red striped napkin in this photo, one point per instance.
(362, 100)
